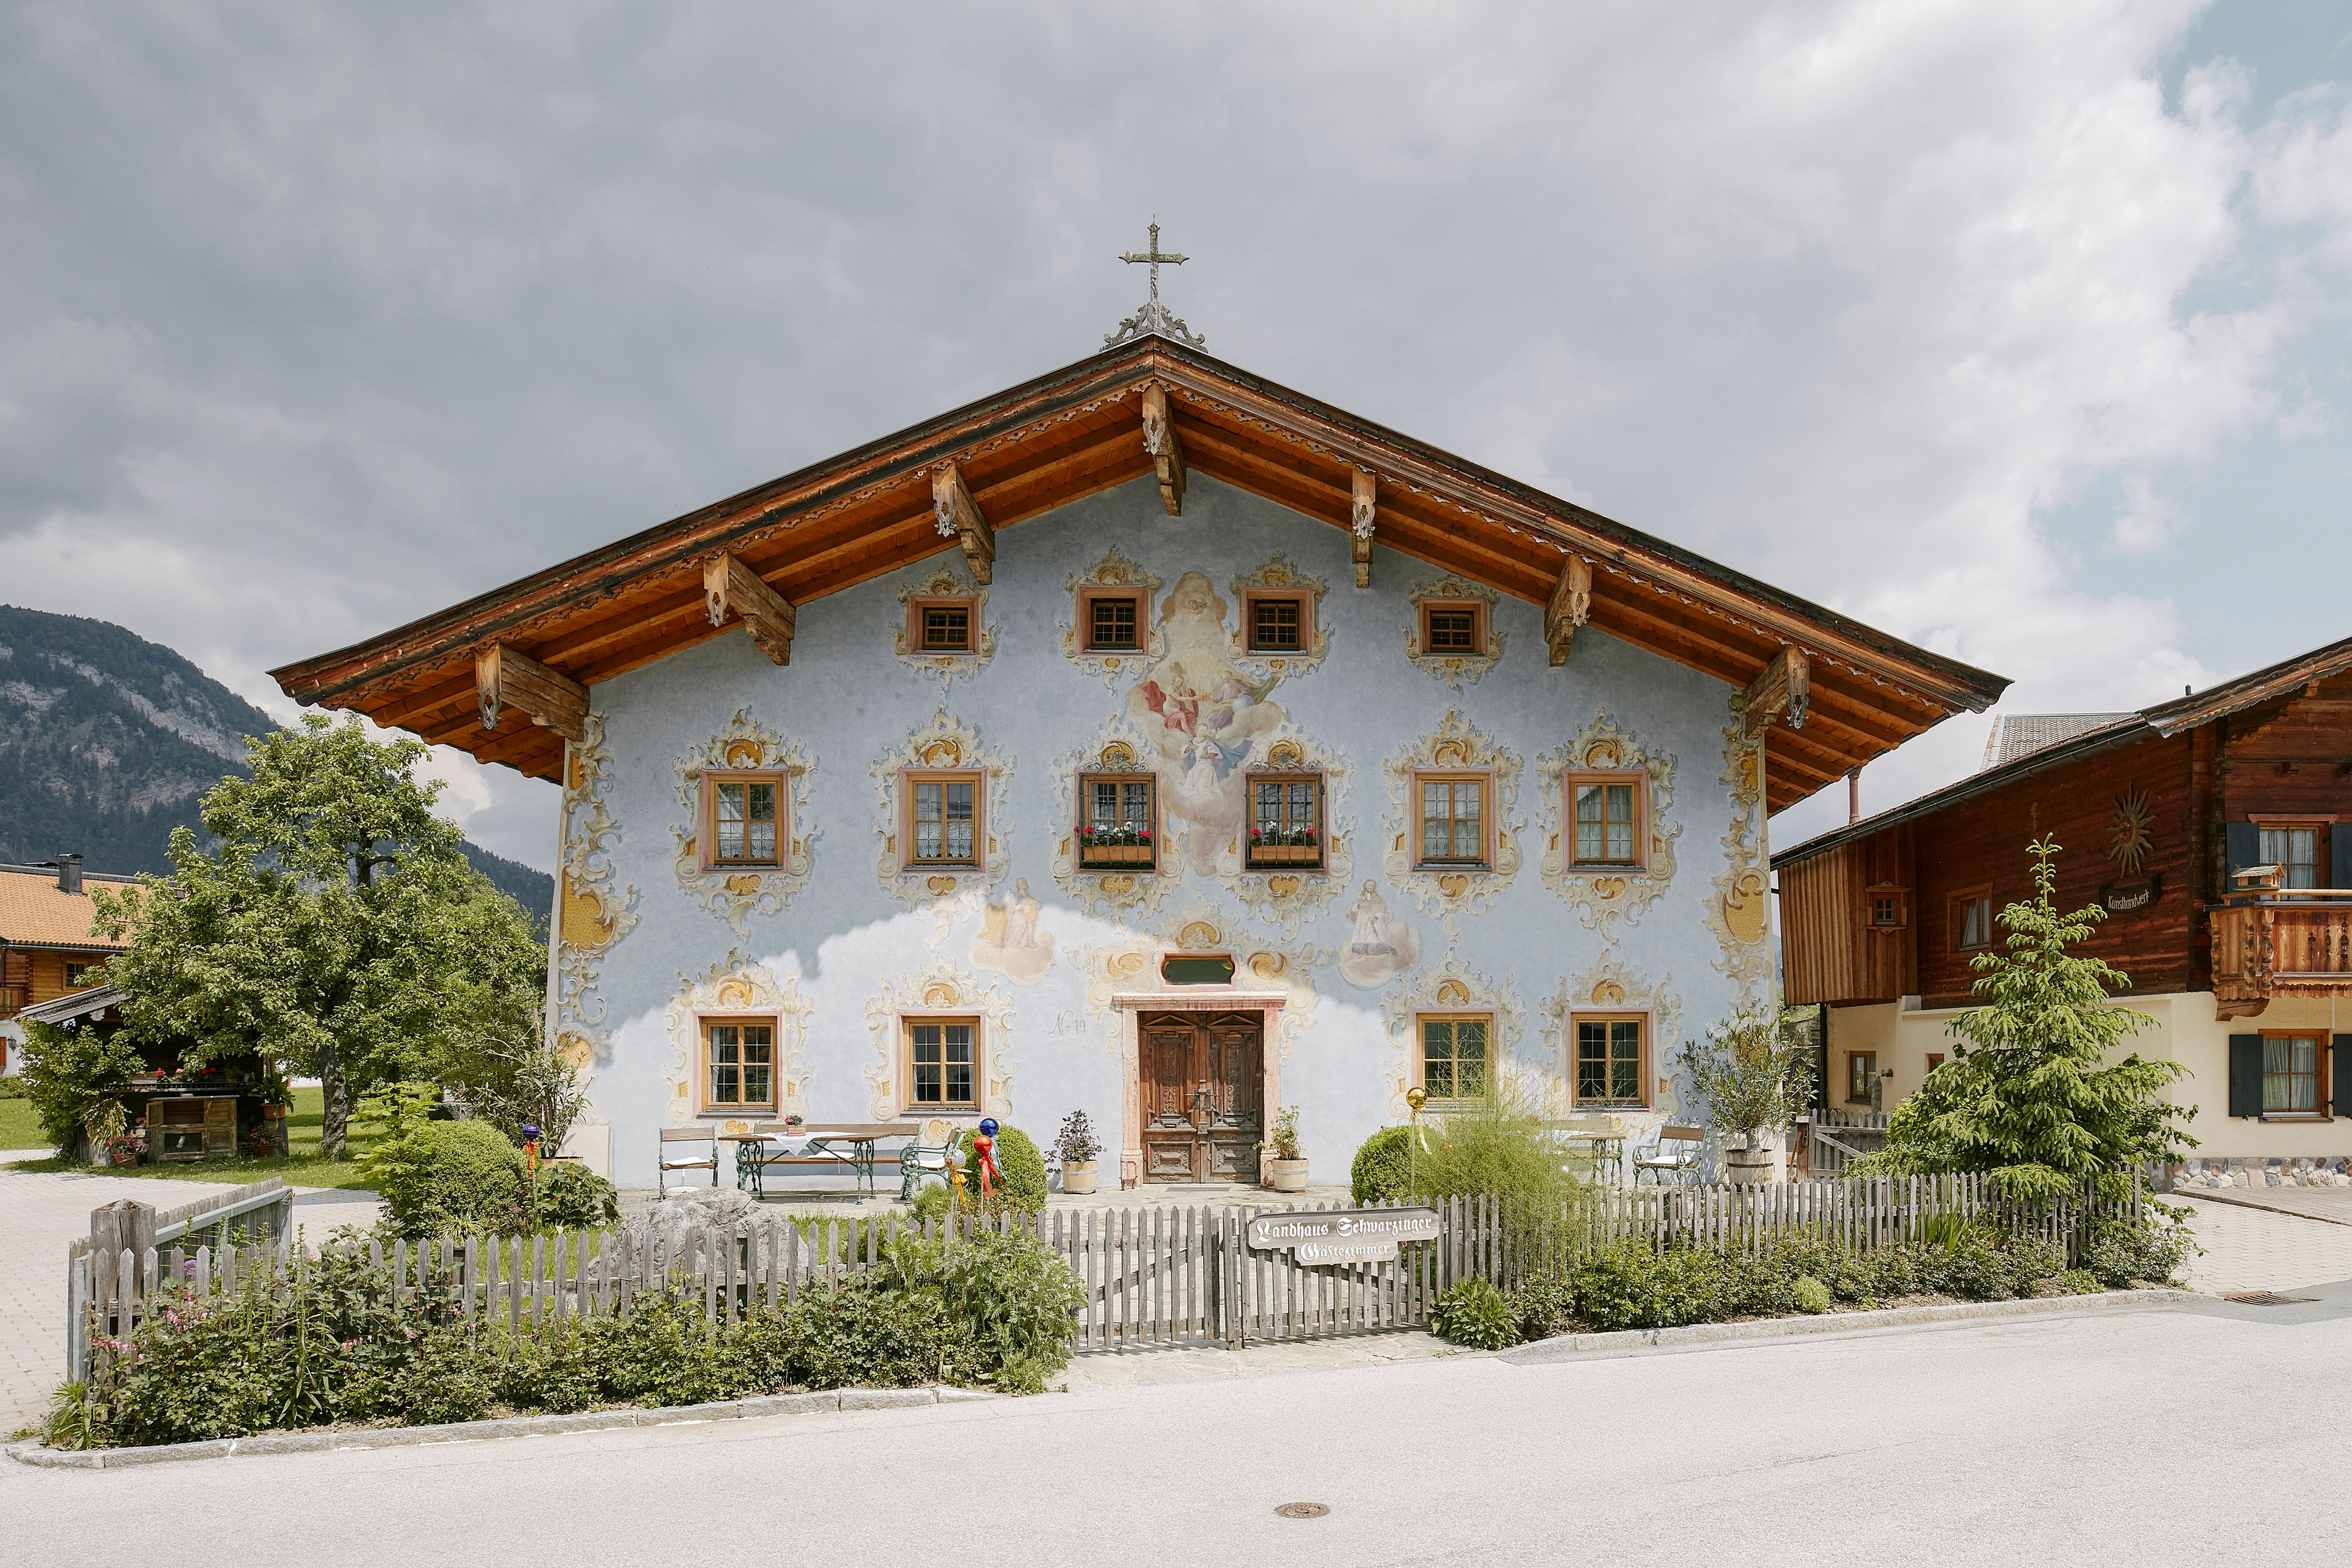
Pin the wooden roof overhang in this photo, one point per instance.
(1065, 436)
(2260, 692)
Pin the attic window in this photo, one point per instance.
(1889, 908)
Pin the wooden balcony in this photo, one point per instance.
(2281, 943)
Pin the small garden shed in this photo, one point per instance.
(213, 1112)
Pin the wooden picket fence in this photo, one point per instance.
(1151, 1275)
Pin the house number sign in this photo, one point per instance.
(1343, 1236)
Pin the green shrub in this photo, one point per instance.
(860, 1334)
(1018, 1162)
(65, 1072)
(450, 1175)
(1544, 1305)
(2122, 1253)
(1494, 1146)
(2080, 1282)
(1012, 1300)
(1380, 1172)
(1810, 1295)
(1475, 1313)
(1633, 1286)
(571, 1197)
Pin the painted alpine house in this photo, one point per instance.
(1154, 740)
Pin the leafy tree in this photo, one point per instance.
(2029, 1097)
(334, 926)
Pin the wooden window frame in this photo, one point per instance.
(1640, 780)
(1901, 900)
(910, 777)
(705, 1104)
(1092, 593)
(919, 603)
(1649, 1046)
(1960, 924)
(1303, 598)
(1485, 779)
(1935, 1060)
(1478, 623)
(1421, 1049)
(77, 970)
(706, 832)
(2320, 829)
(1852, 1057)
(1146, 865)
(1250, 851)
(2322, 1041)
(908, 1024)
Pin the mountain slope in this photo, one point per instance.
(107, 742)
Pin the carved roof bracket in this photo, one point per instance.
(958, 516)
(1363, 514)
(1166, 448)
(1783, 690)
(504, 677)
(1571, 606)
(730, 587)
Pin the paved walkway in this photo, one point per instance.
(2332, 1204)
(2263, 1248)
(41, 1213)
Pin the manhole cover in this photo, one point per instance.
(1303, 1510)
(2265, 1298)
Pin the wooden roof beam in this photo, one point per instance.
(1783, 690)
(1364, 518)
(1571, 604)
(505, 676)
(1165, 447)
(729, 587)
(958, 517)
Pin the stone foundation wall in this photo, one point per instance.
(2320, 1170)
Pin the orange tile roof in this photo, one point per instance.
(34, 913)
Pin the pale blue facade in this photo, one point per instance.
(840, 943)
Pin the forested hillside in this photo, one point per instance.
(109, 741)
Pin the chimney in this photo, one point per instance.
(69, 874)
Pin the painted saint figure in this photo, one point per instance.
(1201, 716)
(1379, 948)
(1009, 941)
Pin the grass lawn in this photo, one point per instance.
(304, 1167)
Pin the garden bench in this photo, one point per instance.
(687, 1159)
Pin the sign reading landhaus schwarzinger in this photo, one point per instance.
(1343, 1236)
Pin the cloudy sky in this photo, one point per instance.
(2019, 330)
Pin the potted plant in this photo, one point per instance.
(1284, 846)
(112, 1138)
(1287, 1172)
(1758, 1078)
(1078, 1147)
(1123, 845)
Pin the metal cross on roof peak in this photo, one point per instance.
(1154, 317)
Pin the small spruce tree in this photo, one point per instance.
(2029, 1097)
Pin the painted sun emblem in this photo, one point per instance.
(2131, 831)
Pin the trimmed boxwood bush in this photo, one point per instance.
(571, 1197)
(1381, 1168)
(451, 1176)
(1018, 1162)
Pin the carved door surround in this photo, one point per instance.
(1133, 1005)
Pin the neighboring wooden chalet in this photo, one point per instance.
(2216, 831)
(46, 948)
(1152, 741)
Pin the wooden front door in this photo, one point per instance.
(1203, 1095)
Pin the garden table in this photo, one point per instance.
(852, 1144)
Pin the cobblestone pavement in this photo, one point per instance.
(2263, 1248)
(40, 1214)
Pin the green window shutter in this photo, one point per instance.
(2245, 1075)
(2246, 846)
(2340, 855)
(2340, 1081)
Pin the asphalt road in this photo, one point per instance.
(2174, 1436)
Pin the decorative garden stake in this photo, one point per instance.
(983, 1147)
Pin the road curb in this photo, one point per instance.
(34, 1454)
(1568, 1347)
